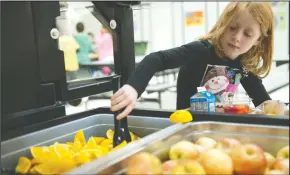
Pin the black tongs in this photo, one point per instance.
(121, 132)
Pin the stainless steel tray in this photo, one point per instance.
(95, 125)
(270, 138)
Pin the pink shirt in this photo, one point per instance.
(104, 44)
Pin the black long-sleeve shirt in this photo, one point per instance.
(192, 59)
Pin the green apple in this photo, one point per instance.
(187, 166)
(206, 142)
(283, 153)
(183, 150)
(193, 167)
(227, 144)
(215, 161)
(270, 159)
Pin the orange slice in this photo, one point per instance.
(121, 145)
(98, 140)
(108, 143)
(110, 134)
(41, 154)
(23, 165)
(181, 116)
(80, 137)
(91, 144)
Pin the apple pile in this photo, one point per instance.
(208, 156)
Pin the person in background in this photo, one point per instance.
(85, 51)
(93, 41)
(242, 37)
(104, 43)
(69, 46)
(104, 46)
(94, 55)
(85, 43)
(92, 37)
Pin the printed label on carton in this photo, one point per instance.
(203, 101)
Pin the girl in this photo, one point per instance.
(241, 39)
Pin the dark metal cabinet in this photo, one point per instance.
(25, 83)
(29, 65)
(32, 68)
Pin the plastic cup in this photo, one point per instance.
(272, 107)
(237, 105)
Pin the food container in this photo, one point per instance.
(236, 104)
(203, 101)
(95, 125)
(272, 108)
(261, 135)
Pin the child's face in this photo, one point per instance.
(241, 34)
(216, 84)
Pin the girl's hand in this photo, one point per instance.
(126, 96)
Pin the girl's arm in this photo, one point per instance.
(255, 89)
(126, 96)
(191, 53)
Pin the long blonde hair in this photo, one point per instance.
(263, 14)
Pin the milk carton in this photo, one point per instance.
(203, 101)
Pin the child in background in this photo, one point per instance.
(94, 55)
(92, 37)
(85, 43)
(69, 46)
(85, 51)
(104, 43)
(242, 37)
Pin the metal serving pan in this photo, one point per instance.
(95, 125)
(246, 133)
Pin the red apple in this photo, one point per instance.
(144, 163)
(227, 144)
(183, 150)
(270, 159)
(215, 161)
(281, 164)
(206, 142)
(249, 159)
(168, 166)
(283, 153)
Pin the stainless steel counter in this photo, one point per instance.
(270, 138)
(95, 125)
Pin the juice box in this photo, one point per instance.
(203, 101)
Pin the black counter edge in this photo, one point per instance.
(197, 117)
